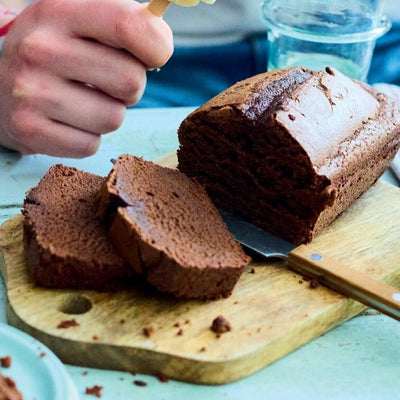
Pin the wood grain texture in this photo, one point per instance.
(272, 310)
(346, 280)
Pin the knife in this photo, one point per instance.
(325, 270)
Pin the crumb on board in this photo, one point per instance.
(313, 284)
(220, 325)
(148, 331)
(67, 324)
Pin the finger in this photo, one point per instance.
(37, 134)
(116, 72)
(85, 108)
(69, 102)
(122, 24)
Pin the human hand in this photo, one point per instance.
(69, 68)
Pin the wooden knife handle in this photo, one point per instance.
(337, 276)
(158, 7)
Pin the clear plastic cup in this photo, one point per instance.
(320, 33)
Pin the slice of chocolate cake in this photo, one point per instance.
(166, 227)
(290, 149)
(65, 242)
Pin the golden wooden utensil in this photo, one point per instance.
(158, 7)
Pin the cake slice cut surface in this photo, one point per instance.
(65, 243)
(291, 149)
(166, 227)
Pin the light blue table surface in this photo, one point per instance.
(358, 360)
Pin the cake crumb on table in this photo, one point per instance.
(68, 324)
(5, 361)
(94, 390)
(140, 383)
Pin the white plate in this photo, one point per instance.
(38, 373)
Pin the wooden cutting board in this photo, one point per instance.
(272, 310)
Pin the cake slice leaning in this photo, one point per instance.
(166, 227)
(65, 242)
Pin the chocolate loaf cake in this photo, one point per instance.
(65, 242)
(290, 149)
(166, 227)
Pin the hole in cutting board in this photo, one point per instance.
(74, 303)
